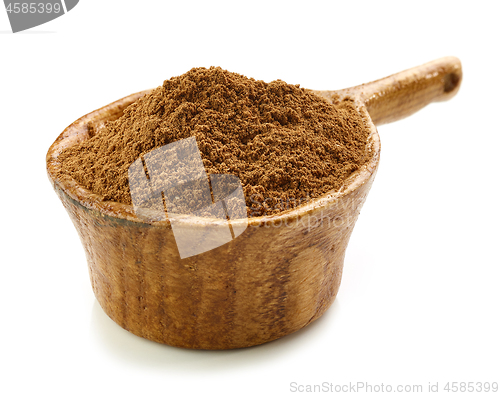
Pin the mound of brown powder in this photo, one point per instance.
(284, 143)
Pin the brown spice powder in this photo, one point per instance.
(285, 144)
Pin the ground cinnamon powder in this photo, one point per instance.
(285, 144)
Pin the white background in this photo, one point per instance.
(419, 300)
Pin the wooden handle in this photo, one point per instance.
(402, 94)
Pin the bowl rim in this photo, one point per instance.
(78, 131)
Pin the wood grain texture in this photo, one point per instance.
(402, 94)
(279, 275)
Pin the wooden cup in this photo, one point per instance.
(278, 276)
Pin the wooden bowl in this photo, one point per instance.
(279, 275)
